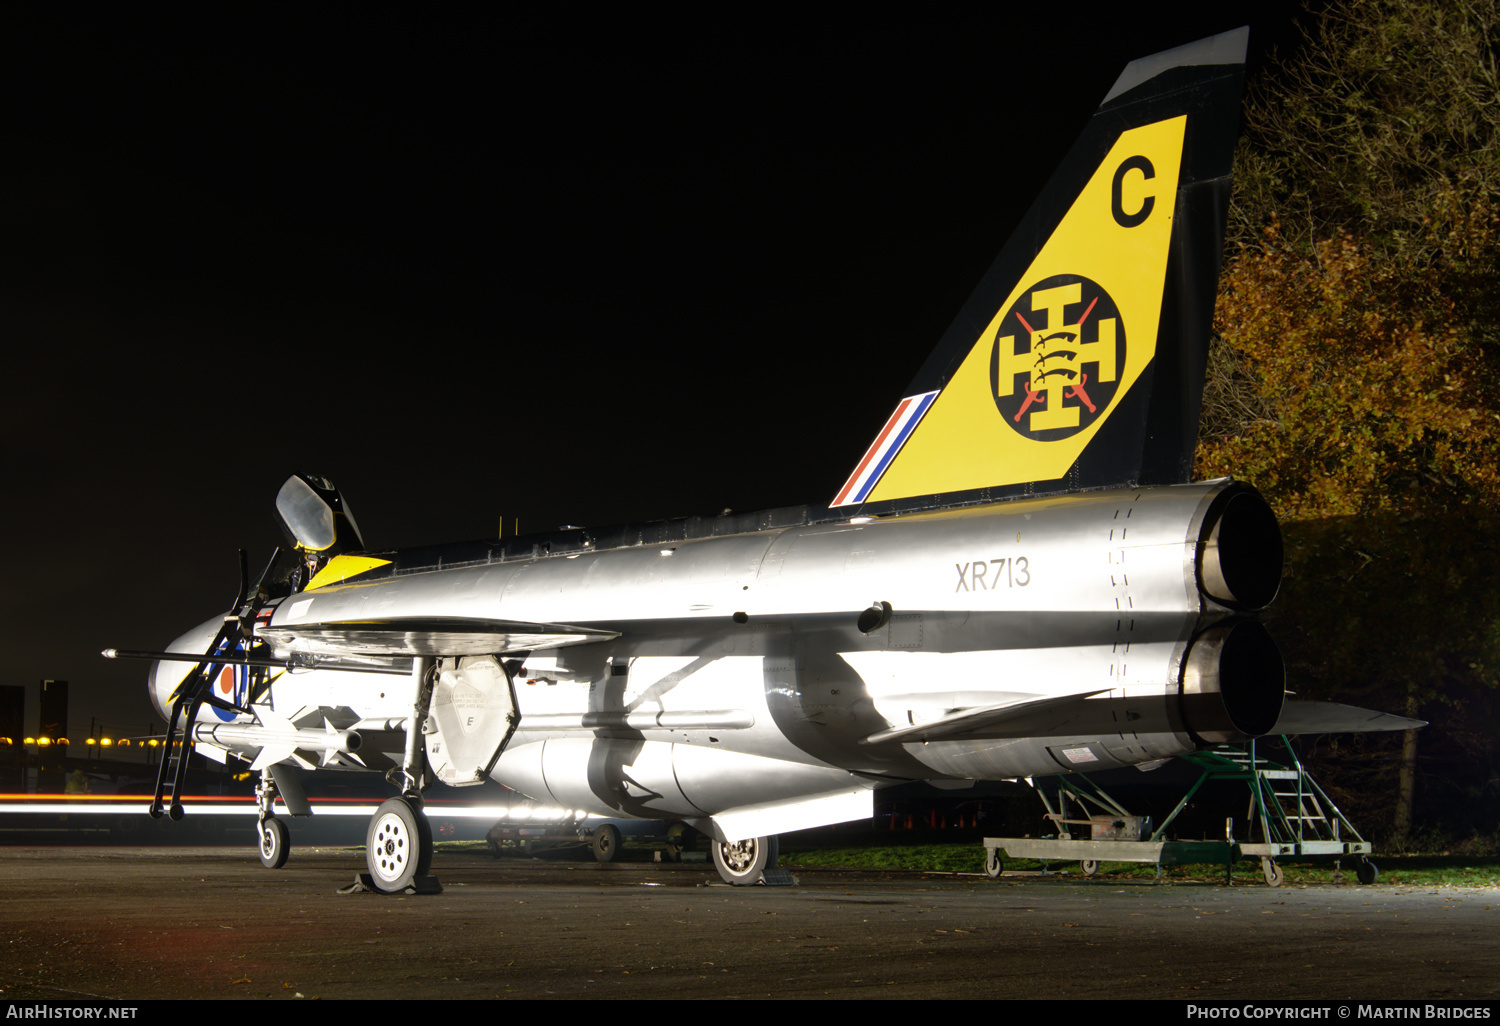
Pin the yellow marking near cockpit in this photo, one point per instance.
(341, 568)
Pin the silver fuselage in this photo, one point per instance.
(741, 677)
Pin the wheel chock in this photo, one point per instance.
(419, 885)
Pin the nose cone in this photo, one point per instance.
(165, 676)
(153, 689)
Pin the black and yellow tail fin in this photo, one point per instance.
(1078, 361)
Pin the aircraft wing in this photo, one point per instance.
(1012, 719)
(427, 636)
(1333, 718)
(1041, 717)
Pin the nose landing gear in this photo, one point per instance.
(275, 843)
(275, 838)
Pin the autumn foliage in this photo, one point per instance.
(1375, 398)
(1371, 423)
(1355, 379)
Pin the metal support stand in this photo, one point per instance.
(1296, 817)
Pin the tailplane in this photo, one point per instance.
(1078, 361)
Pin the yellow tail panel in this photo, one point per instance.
(1069, 342)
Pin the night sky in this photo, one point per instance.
(572, 271)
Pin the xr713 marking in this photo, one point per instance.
(1016, 573)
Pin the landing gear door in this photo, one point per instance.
(471, 719)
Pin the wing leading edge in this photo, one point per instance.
(426, 636)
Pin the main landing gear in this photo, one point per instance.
(742, 863)
(398, 842)
(398, 845)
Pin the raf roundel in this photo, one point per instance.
(1058, 356)
(232, 685)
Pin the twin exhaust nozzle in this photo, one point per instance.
(1233, 676)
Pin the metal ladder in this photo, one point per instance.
(1296, 817)
(1290, 805)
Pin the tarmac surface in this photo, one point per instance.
(138, 923)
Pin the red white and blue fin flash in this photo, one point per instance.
(897, 430)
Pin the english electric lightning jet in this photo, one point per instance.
(1018, 579)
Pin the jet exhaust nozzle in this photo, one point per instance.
(1240, 554)
(1233, 683)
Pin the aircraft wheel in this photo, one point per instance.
(1366, 872)
(606, 843)
(1089, 866)
(994, 865)
(744, 862)
(1272, 872)
(275, 843)
(398, 845)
